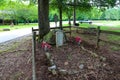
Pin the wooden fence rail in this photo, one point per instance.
(110, 32)
(53, 28)
(97, 30)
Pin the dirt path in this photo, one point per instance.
(15, 59)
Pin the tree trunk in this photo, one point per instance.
(74, 13)
(69, 20)
(27, 22)
(3, 22)
(60, 13)
(43, 17)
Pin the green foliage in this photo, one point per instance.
(111, 14)
(50, 37)
(26, 13)
(21, 12)
(51, 14)
(18, 11)
(19, 26)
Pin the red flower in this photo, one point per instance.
(78, 39)
(44, 44)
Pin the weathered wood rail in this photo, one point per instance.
(97, 30)
(106, 32)
(65, 27)
(98, 33)
(53, 28)
(110, 32)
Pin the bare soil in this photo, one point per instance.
(15, 59)
(70, 57)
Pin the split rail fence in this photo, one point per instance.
(97, 30)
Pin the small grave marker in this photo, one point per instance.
(59, 38)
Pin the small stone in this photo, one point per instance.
(90, 67)
(51, 62)
(66, 63)
(104, 65)
(62, 71)
(102, 58)
(52, 68)
(70, 72)
(54, 72)
(48, 55)
(94, 54)
(81, 66)
(75, 72)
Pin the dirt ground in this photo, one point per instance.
(15, 59)
(70, 57)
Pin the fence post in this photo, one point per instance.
(32, 29)
(33, 55)
(70, 30)
(98, 36)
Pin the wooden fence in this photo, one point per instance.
(97, 30)
(98, 33)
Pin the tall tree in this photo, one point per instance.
(59, 4)
(79, 5)
(64, 5)
(43, 7)
(2, 2)
(43, 17)
(33, 2)
(104, 3)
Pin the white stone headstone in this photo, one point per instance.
(59, 38)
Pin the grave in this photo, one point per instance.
(59, 38)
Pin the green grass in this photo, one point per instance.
(114, 38)
(20, 26)
(9, 48)
(105, 25)
(115, 26)
(108, 28)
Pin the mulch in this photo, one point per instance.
(70, 57)
(17, 64)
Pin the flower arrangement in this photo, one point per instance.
(45, 45)
(78, 40)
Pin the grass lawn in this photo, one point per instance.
(20, 26)
(104, 25)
